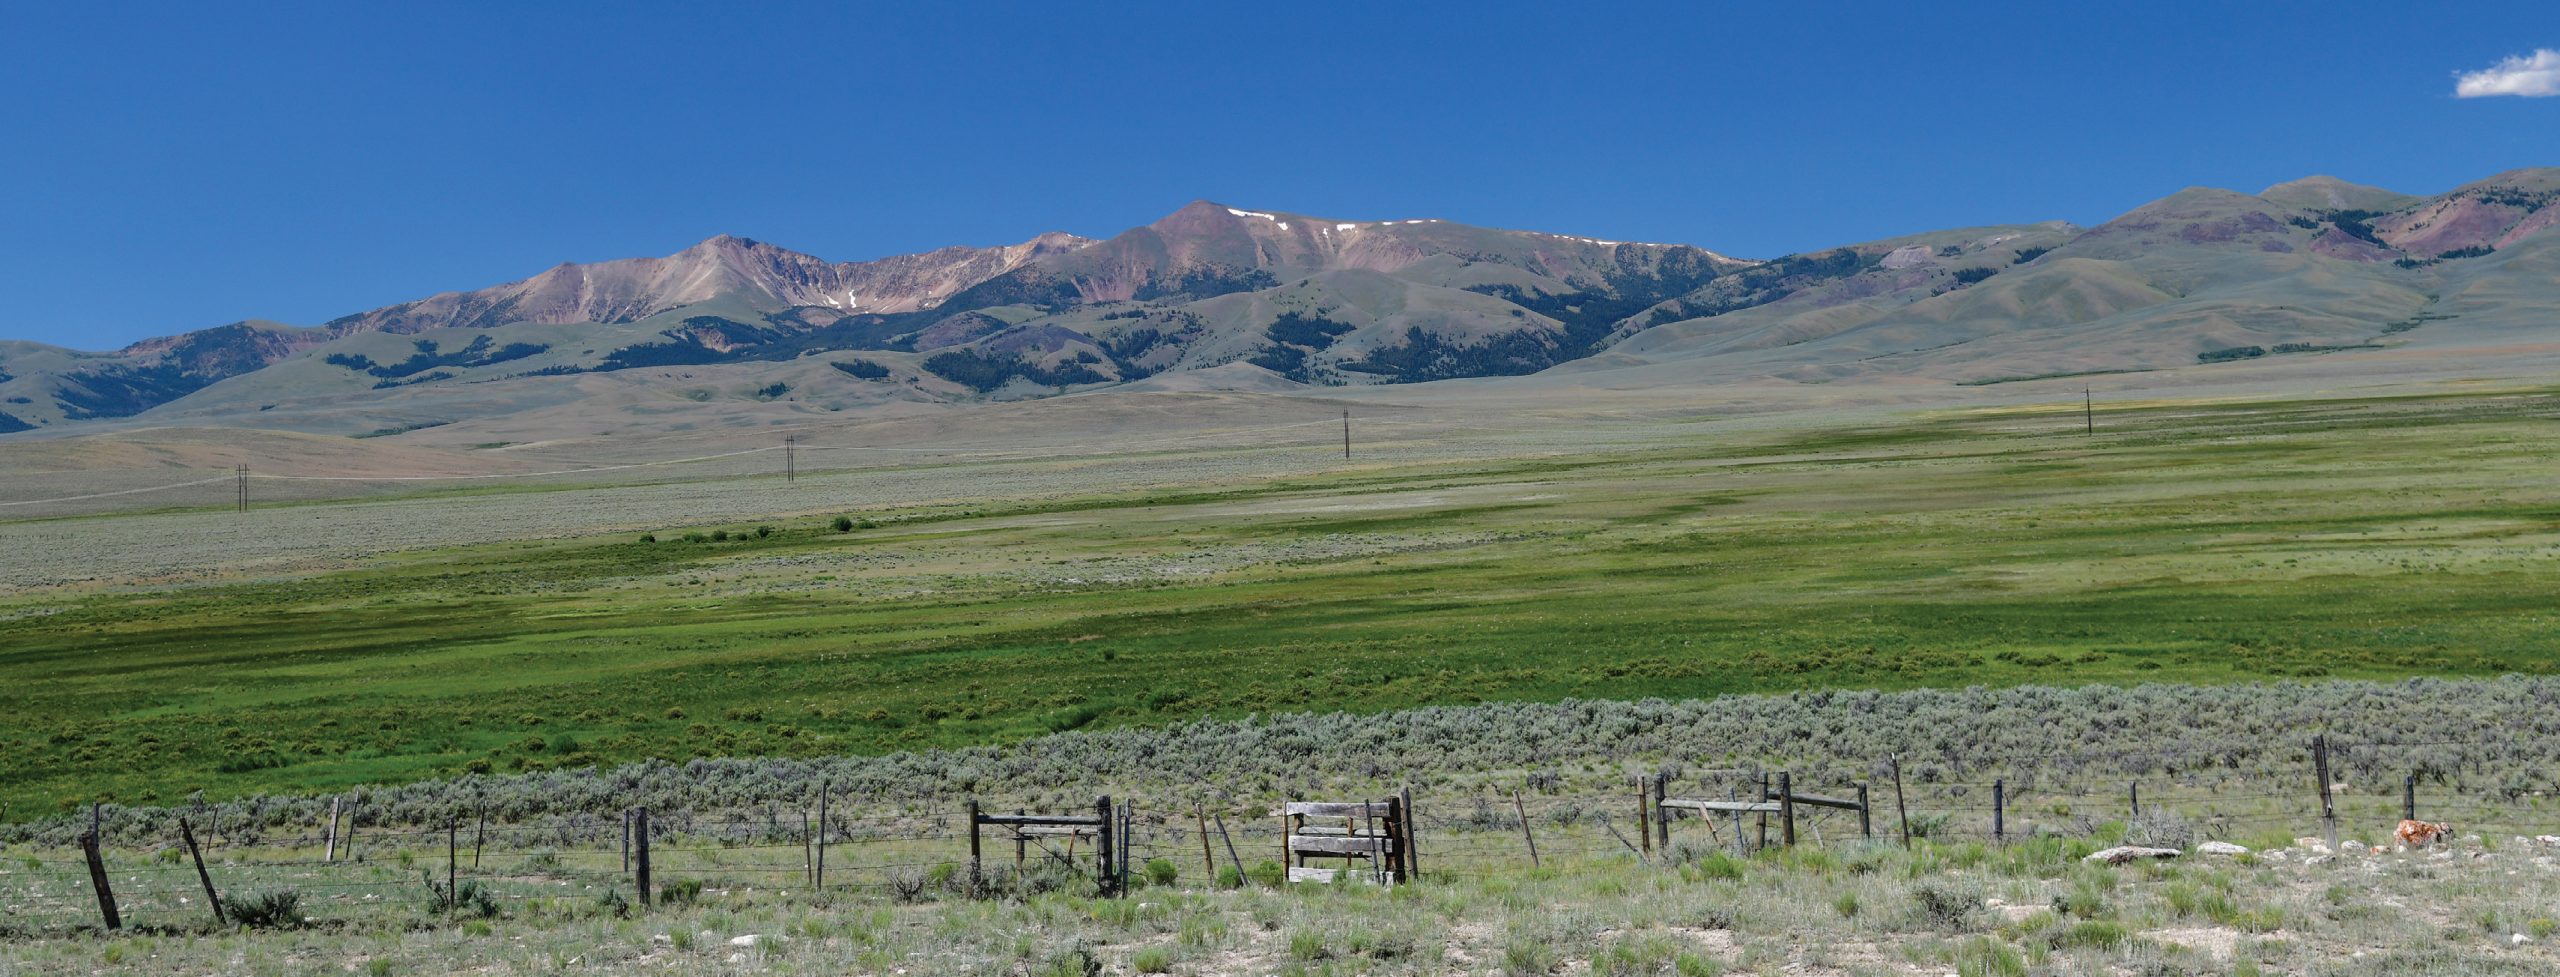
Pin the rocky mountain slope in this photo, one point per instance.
(1214, 296)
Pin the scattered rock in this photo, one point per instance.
(750, 939)
(2126, 853)
(2220, 848)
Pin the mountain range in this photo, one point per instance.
(1213, 296)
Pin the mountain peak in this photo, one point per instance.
(2324, 192)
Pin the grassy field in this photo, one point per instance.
(2216, 542)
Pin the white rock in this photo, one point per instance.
(2220, 848)
(2518, 939)
(2126, 853)
(750, 939)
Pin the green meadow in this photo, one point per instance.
(2201, 542)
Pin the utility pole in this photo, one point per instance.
(1346, 435)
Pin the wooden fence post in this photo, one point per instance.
(1787, 808)
(480, 835)
(2409, 798)
(2134, 792)
(211, 897)
(1763, 843)
(330, 854)
(2000, 810)
(1106, 869)
(640, 839)
(355, 810)
(1866, 824)
(626, 839)
(977, 871)
(98, 880)
(2320, 768)
(1644, 817)
(1525, 834)
(1661, 818)
(1208, 859)
(1899, 809)
(1412, 842)
(821, 883)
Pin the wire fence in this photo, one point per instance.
(839, 846)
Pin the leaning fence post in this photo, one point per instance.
(480, 835)
(2000, 810)
(330, 854)
(1230, 841)
(211, 897)
(1200, 823)
(640, 844)
(1787, 808)
(1525, 835)
(98, 880)
(1899, 809)
(1734, 794)
(821, 883)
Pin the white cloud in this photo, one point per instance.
(2534, 76)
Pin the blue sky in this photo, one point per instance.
(174, 168)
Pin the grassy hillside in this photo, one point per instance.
(2211, 543)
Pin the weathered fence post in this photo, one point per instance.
(1899, 809)
(626, 840)
(2000, 810)
(1399, 836)
(211, 897)
(640, 839)
(480, 835)
(1762, 842)
(1109, 870)
(2134, 791)
(355, 812)
(1208, 859)
(1412, 842)
(2320, 768)
(1787, 807)
(98, 879)
(1661, 818)
(2409, 798)
(1120, 847)
(977, 871)
(821, 883)
(330, 854)
(1525, 835)
(1866, 825)
(1644, 818)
